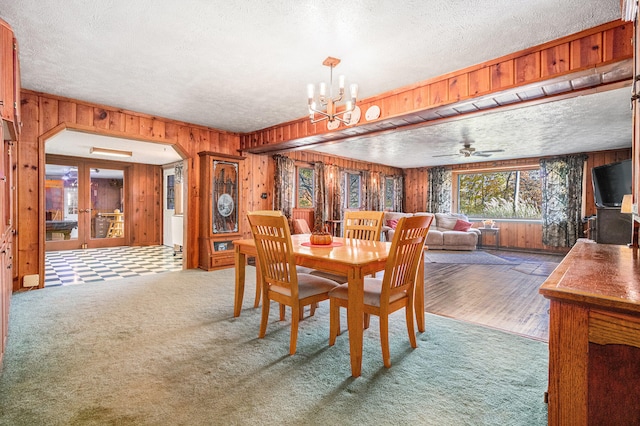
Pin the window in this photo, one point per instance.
(501, 194)
(389, 193)
(353, 191)
(305, 187)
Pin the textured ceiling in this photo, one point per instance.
(244, 65)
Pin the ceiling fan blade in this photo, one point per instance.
(492, 150)
(481, 154)
(445, 155)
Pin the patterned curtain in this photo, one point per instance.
(398, 191)
(333, 206)
(439, 190)
(319, 196)
(561, 199)
(285, 176)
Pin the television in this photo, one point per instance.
(611, 182)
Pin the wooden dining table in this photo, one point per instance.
(348, 257)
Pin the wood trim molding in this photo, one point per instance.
(589, 59)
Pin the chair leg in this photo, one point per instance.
(334, 321)
(301, 313)
(294, 329)
(367, 320)
(384, 340)
(313, 309)
(410, 327)
(259, 285)
(282, 312)
(265, 318)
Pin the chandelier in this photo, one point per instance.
(329, 102)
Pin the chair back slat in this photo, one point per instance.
(275, 252)
(363, 225)
(404, 256)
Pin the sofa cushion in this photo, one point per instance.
(434, 238)
(458, 238)
(446, 221)
(462, 225)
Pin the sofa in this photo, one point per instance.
(448, 231)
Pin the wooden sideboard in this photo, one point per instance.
(594, 336)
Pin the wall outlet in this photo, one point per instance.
(31, 280)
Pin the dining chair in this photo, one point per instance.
(395, 290)
(300, 269)
(280, 280)
(363, 225)
(256, 302)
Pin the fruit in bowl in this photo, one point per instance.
(321, 238)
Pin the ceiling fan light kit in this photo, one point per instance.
(468, 151)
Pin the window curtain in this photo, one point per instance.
(365, 189)
(375, 193)
(439, 190)
(561, 199)
(285, 175)
(398, 193)
(320, 213)
(333, 206)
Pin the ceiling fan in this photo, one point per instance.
(468, 151)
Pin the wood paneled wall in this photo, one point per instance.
(146, 227)
(44, 115)
(311, 157)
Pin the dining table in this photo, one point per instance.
(353, 258)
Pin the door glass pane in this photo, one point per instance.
(61, 202)
(107, 203)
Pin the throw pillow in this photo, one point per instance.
(462, 225)
(392, 223)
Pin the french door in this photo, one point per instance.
(84, 204)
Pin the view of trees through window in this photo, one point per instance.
(501, 195)
(305, 187)
(388, 193)
(353, 200)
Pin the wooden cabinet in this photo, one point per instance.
(9, 82)
(6, 237)
(594, 336)
(220, 205)
(10, 120)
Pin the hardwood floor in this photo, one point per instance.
(500, 296)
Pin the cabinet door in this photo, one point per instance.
(16, 88)
(6, 72)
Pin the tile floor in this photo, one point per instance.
(92, 265)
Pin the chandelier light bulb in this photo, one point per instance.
(354, 91)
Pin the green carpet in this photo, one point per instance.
(165, 349)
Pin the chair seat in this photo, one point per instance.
(308, 285)
(340, 279)
(372, 291)
(303, 270)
